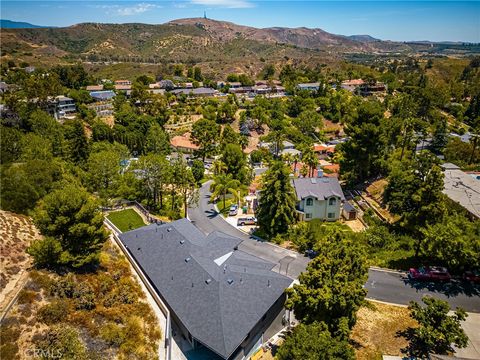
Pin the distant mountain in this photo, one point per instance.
(363, 38)
(219, 46)
(9, 24)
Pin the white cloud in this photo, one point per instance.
(128, 10)
(231, 4)
(135, 9)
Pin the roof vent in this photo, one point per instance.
(169, 229)
(182, 241)
(208, 281)
(268, 283)
(230, 281)
(188, 259)
(313, 180)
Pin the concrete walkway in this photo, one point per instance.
(471, 326)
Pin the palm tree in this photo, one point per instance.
(219, 167)
(296, 159)
(309, 158)
(224, 184)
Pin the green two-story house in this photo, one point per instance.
(318, 198)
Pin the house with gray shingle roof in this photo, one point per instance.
(220, 298)
(318, 198)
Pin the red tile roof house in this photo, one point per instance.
(183, 144)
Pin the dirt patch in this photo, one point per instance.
(376, 331)
(376, 189)
(16, 234)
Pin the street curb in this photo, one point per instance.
(386, 302)
(399, 272)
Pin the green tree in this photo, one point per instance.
(157, 141)
(235, 162)
(46, 252)
(184, 182)
(77, 142)
(454, 242)
(22, 185)
(414, 191)
(268, 72)
(364, 152)
(205, 134)
(313, 342)
(156, 174)
(197, 74)
(331, 290)
(223, 185)
(103, 170)
(310, 123)
(198, 170)
(36, 147)
(70, 215)
(276, 210)
(438, 330)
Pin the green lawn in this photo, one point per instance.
(228, 202)
(125, 220)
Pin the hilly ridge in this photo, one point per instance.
(218, 46)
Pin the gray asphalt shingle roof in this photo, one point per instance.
(320, 188)
(179, 259)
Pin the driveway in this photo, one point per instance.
(207, 219)
(387, 286)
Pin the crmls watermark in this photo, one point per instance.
(35, 353)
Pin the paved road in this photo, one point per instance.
(206, 218)
(381, 285)
(397, 288)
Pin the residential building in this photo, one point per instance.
(221, 300)
(371, 89)
(102, 108)
(183, 144)
(462, 188)
(123, 82)
(94, 88)
(102, 95)
(198, 92)
(309, 86)
(318, 198)
(351, 85)
(64, 107)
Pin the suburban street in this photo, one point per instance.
(206, 218)
(387, 286)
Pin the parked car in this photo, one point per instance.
(473, 276)
(247, 220)
(434, 273)
(233, 210)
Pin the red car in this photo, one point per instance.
(473, 276)
(434, 273)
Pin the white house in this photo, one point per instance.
(318, 198)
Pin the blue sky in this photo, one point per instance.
(391, 20)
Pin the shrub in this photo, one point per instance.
(26, 296)
(64, 342)
(112, 334)
(64, 287)
(45, 252)
(84, 297)
(54, 312)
